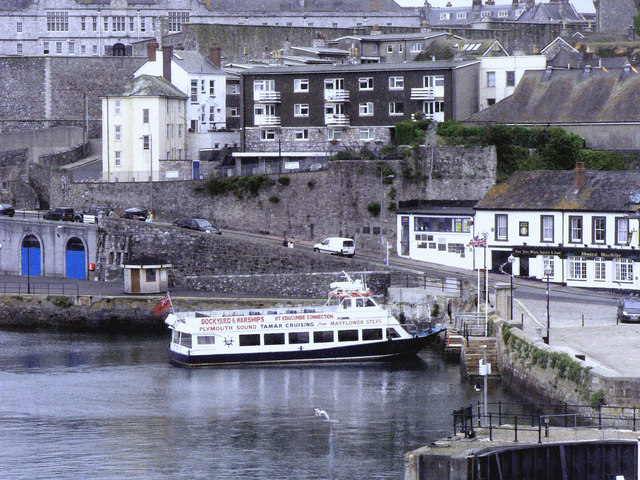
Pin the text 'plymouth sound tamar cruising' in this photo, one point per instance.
(351, 326)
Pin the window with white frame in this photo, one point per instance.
(57, 21)
(577, 268)
(365, 83)
(212, 113)
(501, 227)
(118, 158)
(599, 269)
(95, 50)
(430, 108)
(143, 24)
(19, 27)
(599, 229)
(117, 133)
(485, 14)
(445, 16)
(400, 48)
(118, 23)
(83, 49)
(396, 108)
(234, 111)
(431, 81)
(212, 88)
(491, 79)
(548, 264)
(575, 229)
(146, 142)
(302, 134)
(264, 85)
(389, 48)
(366, 109)
(45, 48)
(503, 13)
(416, 47)
(194, 91)
(510, 78)
(267, 135)
(301, 110)
(131, 24)
(59, 48)
(234, 89)
(145, 115)
(106, 23)
(118, 107)
(300, 85)
(176, 19)
(623, 269)
(18, 49)
(179, 130)
(203, 86)
(72, 48)
(366, 133)
(334, 134)
(622, 231)
(94, 23)
(546, 228)
(461, 15)
(396, 83)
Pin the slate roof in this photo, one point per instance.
(603, 191)
(569, 96)
(394, 37)
(194, 62)
(435, 207)
(333, 6)
(472, 15)
(149, 86)
(552, 12)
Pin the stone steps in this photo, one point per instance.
(472, 353)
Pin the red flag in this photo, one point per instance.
(163, 305)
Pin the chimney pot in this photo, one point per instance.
(167, 55)
(579, 176)
(215, 55)
(151, 50)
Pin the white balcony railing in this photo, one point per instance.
(337, 119)
(267, 120)
(267, 96)
(336, 95)
(427, 93)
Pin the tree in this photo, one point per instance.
(636, 23)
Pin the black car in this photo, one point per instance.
(6, 209)
(135, 213)
(197, 224)
(60, 213)
(629, 310)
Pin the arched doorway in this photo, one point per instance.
(76, 259)
(31, 256)
(119, 50)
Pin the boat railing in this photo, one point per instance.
(258, 312)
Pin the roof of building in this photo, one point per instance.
(149, 86)
(560, 96)
(552, 12)
(362, 67)
(323, 50)
(603, 191)
(194, 62)
(333, 6)
(438, 207)
(464, 15)
(394, 37)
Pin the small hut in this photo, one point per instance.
(146, 275)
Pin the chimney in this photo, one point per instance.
(167, 55)
(151, 50)
(579, 176)
(215, 56)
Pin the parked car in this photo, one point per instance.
(197, 224)
(135, 213)
(6, 209)
(629, 310)
(92, 213)
(60, 213)
(336, 246)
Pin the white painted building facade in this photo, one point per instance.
(143, 128)
(499, 76)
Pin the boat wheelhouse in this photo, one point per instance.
(350, 326)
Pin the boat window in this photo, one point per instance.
(370, 303)
(360, 302)
(346, 303)
(250, 340)
(372, 334)
(175, 336)
(323, 337)
(392, 333)
(347, 335)
(274, 338)
(206, 340)
(298, 337)
(185, 339)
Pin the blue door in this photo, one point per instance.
(196, 170)
(31, 265)
(76, 259)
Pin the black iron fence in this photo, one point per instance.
(39, 288)
(449, 285)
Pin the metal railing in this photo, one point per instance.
(412, 280)
(39, 288)
(470, 324)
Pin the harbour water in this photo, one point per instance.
(86, 406)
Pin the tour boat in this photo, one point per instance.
(351, 326)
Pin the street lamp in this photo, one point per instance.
(325, 415)
(548, 271)
(511, 260)
(383, 247)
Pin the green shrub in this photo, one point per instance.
(311, 184)
(274, 199)
(392, 207)
(435, 310)
(62, 302)
(374, 208)
(284, 180)
(597, 399)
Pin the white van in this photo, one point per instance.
(336, 246)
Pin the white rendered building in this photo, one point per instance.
(143, 131)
